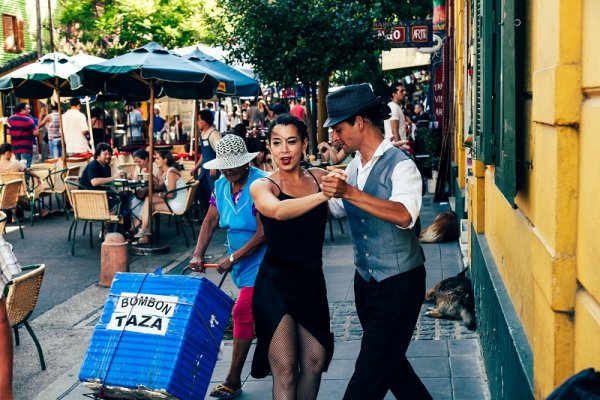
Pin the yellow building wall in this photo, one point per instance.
(546, 249)
(510, 238)
(587, 308)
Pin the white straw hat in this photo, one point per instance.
(231, 153)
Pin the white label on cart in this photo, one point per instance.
(143, 313)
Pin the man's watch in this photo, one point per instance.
(231, 258)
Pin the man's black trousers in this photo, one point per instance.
(388, 312)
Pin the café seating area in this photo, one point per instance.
(59, 192)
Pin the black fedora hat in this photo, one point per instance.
(346, 102)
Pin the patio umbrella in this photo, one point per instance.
(146, 72)
(39, 80)
(244, 85)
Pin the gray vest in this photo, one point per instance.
(381, 249)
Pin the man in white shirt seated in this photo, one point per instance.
(9, 164)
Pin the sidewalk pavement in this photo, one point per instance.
(444, 353)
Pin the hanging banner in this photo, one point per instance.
(407, 33)
(439, 109)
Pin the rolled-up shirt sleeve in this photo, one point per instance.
(407, 188)
(336, 207)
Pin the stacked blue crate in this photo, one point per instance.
(157, 333)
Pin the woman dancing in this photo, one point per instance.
(290, 299)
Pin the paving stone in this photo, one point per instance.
(464, 347)
(466, 367)
(469, 389)
(439, 388)
(431, 367)
(428, 348)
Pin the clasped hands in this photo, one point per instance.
(334, 184)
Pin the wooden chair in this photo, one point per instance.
(11, 176)
(90, 206)
(72, 183)
(2, 221)
(21, 298)
(191, 189)
(9, 197)
(26, 192)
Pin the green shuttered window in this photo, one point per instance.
(498, 104)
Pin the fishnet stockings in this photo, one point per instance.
(297, 360)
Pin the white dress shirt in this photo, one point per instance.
(407, 186)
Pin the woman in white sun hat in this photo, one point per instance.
(231, 207)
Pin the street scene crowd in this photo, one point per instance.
(257, 182)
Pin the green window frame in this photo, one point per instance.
(499, 103)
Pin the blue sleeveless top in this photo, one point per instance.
(240, 224)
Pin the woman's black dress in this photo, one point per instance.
(291, 281)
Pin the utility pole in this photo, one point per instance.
(51, 26)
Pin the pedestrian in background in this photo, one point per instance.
(209, 137)
(22, 130)
(290, 305)
(221, 119)
(159, 125)
(75, 129)
(134, 123)
(395, 128)
(232, 209)
(381, 195)
(52, 124)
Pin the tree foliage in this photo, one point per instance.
(291, 40)
(287, 40)
(110, 27)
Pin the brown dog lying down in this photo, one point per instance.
(444, 229)
(453, 299)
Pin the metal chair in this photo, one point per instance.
(191, 189)
(21, 298)
(9, 197)
(90, 206)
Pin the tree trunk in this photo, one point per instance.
(313, 105)
(312, 136)
(38, 27)
(322, 135)
(51, 26)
